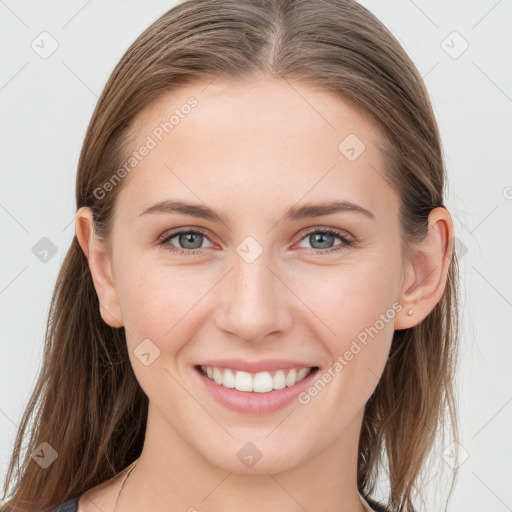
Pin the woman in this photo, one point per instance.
(258, 309)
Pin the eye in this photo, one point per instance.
(323, 237)
(190, 241)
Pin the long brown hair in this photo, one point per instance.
(87, 404)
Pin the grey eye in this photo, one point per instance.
(190, 240)
(324, 240)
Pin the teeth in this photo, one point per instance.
(279, 380)
(291, 378)
(261, 382)
(217, 376)
(243, 381)
(302, 373)
(228, 380)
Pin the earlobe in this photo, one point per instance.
(426, 270)
(100, 266)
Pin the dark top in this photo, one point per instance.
(72, 506)
(376, 506)
(68, 506)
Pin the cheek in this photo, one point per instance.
(163, 302)
(159, 303)
(157, 300)
(352, 296)
(357, 306)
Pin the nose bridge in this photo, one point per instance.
(254, 300)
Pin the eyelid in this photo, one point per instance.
(203, 231)
(185, 229)
(347, 240)
(326, 229)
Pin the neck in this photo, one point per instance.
(171, 475)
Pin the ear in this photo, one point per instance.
(100, 265)
(426, 270)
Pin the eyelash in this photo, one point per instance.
(163, 241)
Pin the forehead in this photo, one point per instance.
(272, 105)
(269, 142)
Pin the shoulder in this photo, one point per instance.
(96, 499)
(376, 506)
(68, 506)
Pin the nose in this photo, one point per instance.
(253, 300)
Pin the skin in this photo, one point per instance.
(250, 152)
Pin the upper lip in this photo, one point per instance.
(255, 366)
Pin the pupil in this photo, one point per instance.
(320, 236)
(189, 237)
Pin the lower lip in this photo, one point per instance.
(252, 402)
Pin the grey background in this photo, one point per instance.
(46, 104)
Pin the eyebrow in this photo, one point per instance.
(295, 213)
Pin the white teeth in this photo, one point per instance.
(302, 373)
(243, 381)
(217, 376)
(279, 380)
(229, 379)
(291, 378)
(261, 382)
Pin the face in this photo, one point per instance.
(264, 284)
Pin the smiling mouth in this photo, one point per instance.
(260, 382)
